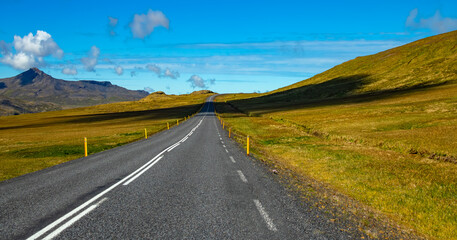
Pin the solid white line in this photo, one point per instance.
(264, 214)
(76, 210)
(73, 220)
(172, 148)
(144, 170)
(243, 178)
(231, 158)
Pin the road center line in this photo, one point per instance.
(82, 206)
(271, 226)
(73, 220)
(226, 150)
(243, 178)
(231, 158)
(144, 170)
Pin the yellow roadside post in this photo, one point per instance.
(145, 133)
(247, 148)
(85, 147)
(230, 130)
(168, 126)
(223, 125)
(177, 122)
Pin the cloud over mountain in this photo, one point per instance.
(30, 50)
(437, 23)
(91, 60)
(198, 82)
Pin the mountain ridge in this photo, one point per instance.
(35, 91)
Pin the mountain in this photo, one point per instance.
(36, 91)
(424, 63)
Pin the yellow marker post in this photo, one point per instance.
(145, 133)
(85, 147)
(247, 148)
(230, 130)
(177, 122)
(168, 126)
(223, 125)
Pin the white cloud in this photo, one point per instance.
(170, 74)
(198, 82)
(436, 23)
(21, 61)
(111, 25)
(40, 45)
(70, 71)
(167, 73)
(91, 60)
(119, 70)
(154, 68)
(143, 25)
(5, 48)
(30, 50)
(148, 89)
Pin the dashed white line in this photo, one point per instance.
(226, 150)
(243, 178)
(271, 226)
(223, 146)
(73, 220)
(231, 158)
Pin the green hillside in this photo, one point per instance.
(427, 62)
(380, 129)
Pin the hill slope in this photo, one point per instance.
(427, 62)
(36, 91)
(380, 129)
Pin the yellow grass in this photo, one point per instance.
(391, 152)
(31, 142)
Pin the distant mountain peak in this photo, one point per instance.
(30, 75)
(36, 70)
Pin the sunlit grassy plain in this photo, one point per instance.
(31, 142)
(381, 129)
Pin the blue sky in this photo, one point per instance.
(225, 46)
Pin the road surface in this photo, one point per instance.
(189, 182)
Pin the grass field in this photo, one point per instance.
(394, 154)
(31, 142)
(381, 129)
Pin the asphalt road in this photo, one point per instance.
(189, 182)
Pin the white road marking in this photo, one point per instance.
(226, 150)
(220, 138)
(243, 178)
(222, 142)
(82, 206)
(56, 232)
(271, 226)
(223, 146)
(172, 147)
(144, 170)
(233, 160)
